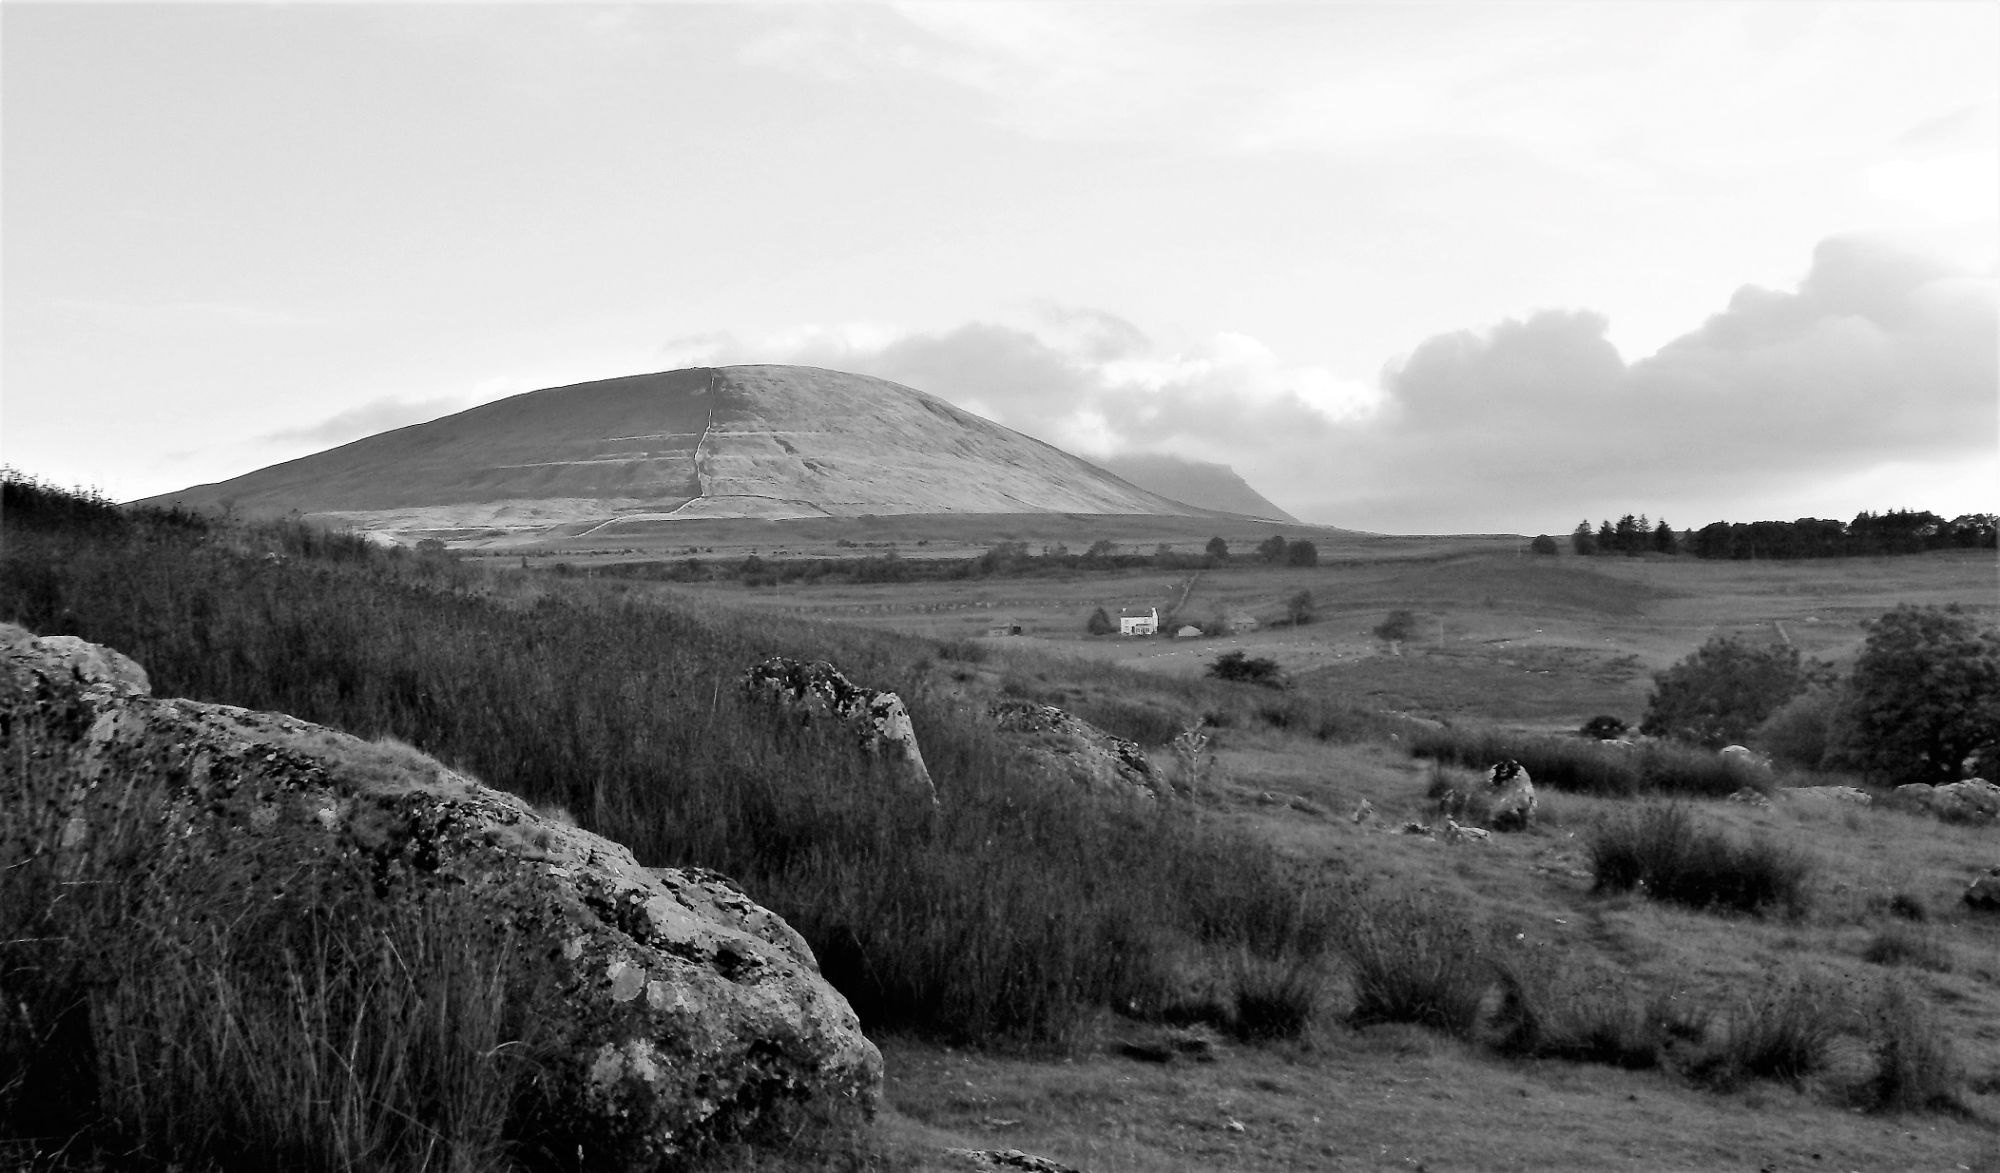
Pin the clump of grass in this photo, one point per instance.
(1414, 958)
(1901, 943)
(1662, 850)
(1275, 999)
(1551, 1010)
(1908, 908)
(1916, 1066)
(1609, 769)
(1785, 1032)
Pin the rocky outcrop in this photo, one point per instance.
(1974, 800)
(95, 665)
(1512, 796)
(815, 689)
(1055, 741)
(667, 1005)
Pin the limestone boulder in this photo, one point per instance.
(1974, 800)
(1512, 796)
(816, 690)
(1058, 742)
(1004, 1161)
(668, 1006)
(94, 664)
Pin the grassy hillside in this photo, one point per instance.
(1286, 958)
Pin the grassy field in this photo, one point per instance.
(1187, 989)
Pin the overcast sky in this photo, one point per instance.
(1407, 267)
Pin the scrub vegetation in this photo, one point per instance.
(1638, 928)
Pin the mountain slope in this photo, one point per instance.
(1204, 485)
(745, 441)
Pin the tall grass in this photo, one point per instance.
(1611, 769)
(1413, 957)
(152, 1005)
(1662, 850)
(1017, 912)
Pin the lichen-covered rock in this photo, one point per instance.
(668, 1005)
(94, 664)
(1073, 748)
(810, 689)
(1513, 796)
(1974, 800)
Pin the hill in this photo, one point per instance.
(1199, 483)
(707, 442)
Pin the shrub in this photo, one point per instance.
(1603, 728)
(1414, 958)
(1543, 544)
(1916, 1066)
(1100, 623)
(1661, 850)
(1804, 731)
(1399, 626)
(1238, 666)
(1723, 690)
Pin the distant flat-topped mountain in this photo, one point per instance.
(744, 441)
(1207, 486)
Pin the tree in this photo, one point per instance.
(1543, 544)
(1272, 549)
(1301, 553)
(1299, 608)
(1582, 539)
(1725, 689)
(1102, 548)
(1399, 626)
(1664, 541)
(1099, 623)
(1218, 549)
(1925, 694)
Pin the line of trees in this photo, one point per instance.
(1899, 531)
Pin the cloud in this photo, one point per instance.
(1880, 357)
(1878, 368)
(377, 415)
(1082, 379)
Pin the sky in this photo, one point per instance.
(1409, 268)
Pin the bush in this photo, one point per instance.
(1543, 544)
(1100, 623)
(1238, 666)
(1723, 690)
(1399, 626)
(1414, 958)
(1804, 731)
(1603, 728)
(1660, 850)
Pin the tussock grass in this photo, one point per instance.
(1902, 943)
(1551, 1010)
(1663, 851)
(1414, 957)
(1785, 1031)
(1916, 1065)
(1583, 765)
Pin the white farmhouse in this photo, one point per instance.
(1147, 624)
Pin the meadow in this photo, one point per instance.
(1269, 975)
